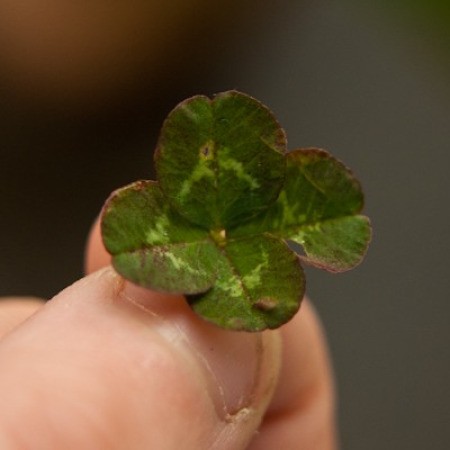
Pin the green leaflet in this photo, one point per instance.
(215, 226)
(260, 285)
(335, 244)
(318, 208)
(221, 161)
(153, 246)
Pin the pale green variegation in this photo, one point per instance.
(228, 198)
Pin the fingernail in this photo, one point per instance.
(239, 369)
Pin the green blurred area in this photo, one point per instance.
(426, 20)
(431, 13)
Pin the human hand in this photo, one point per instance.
(108, 365)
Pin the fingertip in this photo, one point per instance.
(302, 412)
(96, 255)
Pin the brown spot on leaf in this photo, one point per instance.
(207, 150)
(265, 304)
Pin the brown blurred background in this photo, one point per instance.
(85, 87)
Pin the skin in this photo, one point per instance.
(105, 364)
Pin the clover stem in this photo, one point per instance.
(219, 237)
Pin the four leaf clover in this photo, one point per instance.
(228, 200)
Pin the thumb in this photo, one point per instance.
(108, 365)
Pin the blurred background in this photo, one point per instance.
(85, 86)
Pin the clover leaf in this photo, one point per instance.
(228, 200)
